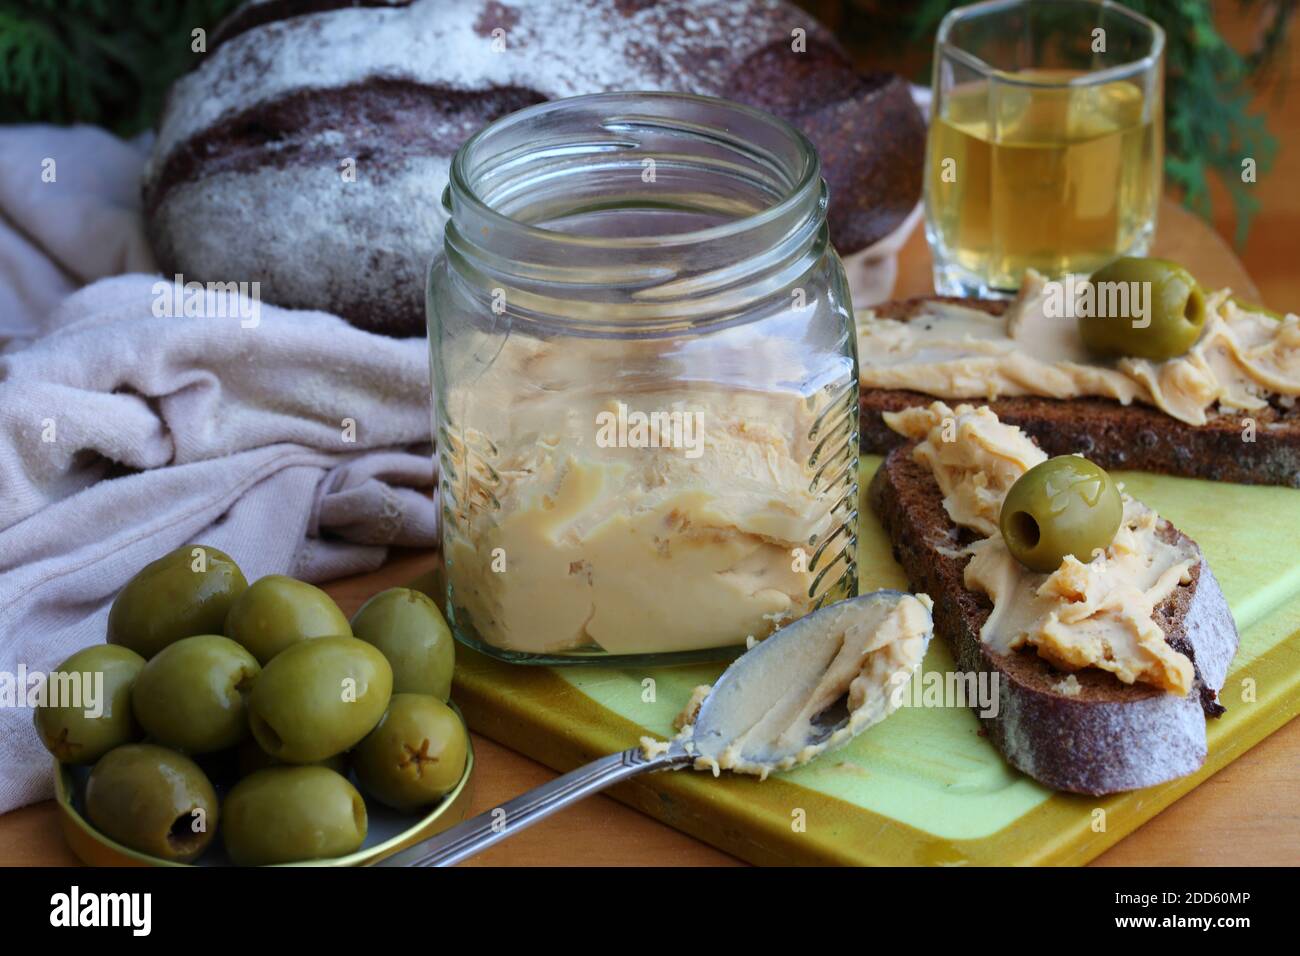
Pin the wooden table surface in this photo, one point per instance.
(1247, 814)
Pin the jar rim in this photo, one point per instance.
(806, 185)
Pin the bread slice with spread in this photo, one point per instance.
(1105, 668)
(1225, 410)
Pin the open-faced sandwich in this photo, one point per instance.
(1101, 623)
(1136, 367)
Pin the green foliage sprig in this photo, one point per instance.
(108, 62)
(1209, 127)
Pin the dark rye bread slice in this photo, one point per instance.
(1112, 435)
(1107, 737)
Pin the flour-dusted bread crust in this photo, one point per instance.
(244, 182)
(1132, 436)
(1103, 736)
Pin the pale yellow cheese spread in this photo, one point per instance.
(975, 459)
(1094, 614)
(561, 541)
(953, 352)
(866, 651)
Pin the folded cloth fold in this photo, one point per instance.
(137, 415)
(69, 214)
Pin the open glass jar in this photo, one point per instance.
(646, 382)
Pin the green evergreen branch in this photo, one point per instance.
(96, 61)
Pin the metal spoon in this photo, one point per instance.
(800, 653)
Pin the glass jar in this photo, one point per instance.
(646, 382)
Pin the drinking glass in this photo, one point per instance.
(1046, 141)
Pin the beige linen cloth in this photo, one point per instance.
(299, 446)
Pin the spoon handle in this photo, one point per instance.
(478, 833)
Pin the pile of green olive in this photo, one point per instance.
(271, 685)
(1063, 506)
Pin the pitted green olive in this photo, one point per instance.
(292, 814)
(78, 729)
(1065, 505)
(1175, 310)
(184, 593)
(277, 611)
(409, 630)
(191, 695)
(153, 800)
(318, 698)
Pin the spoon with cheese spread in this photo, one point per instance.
(813, 685)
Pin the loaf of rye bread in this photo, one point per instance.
(1113, 435)
(1105, 737)
(245, 182)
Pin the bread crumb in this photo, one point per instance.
(1070, 687)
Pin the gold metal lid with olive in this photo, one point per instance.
(1138, 330)
(1074, 567)
(254, 712)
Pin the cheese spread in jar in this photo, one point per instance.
(634, 547)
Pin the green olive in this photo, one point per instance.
(86, 715)
(250, 758)
(318, 698)
(153, 800)
(292, 814)
(277, 611)
(409, 630)
(184, 593)
(415, 756)
(1174, 310)
(191, 695)
(1065, 505)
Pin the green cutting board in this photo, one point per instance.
(924, 787)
